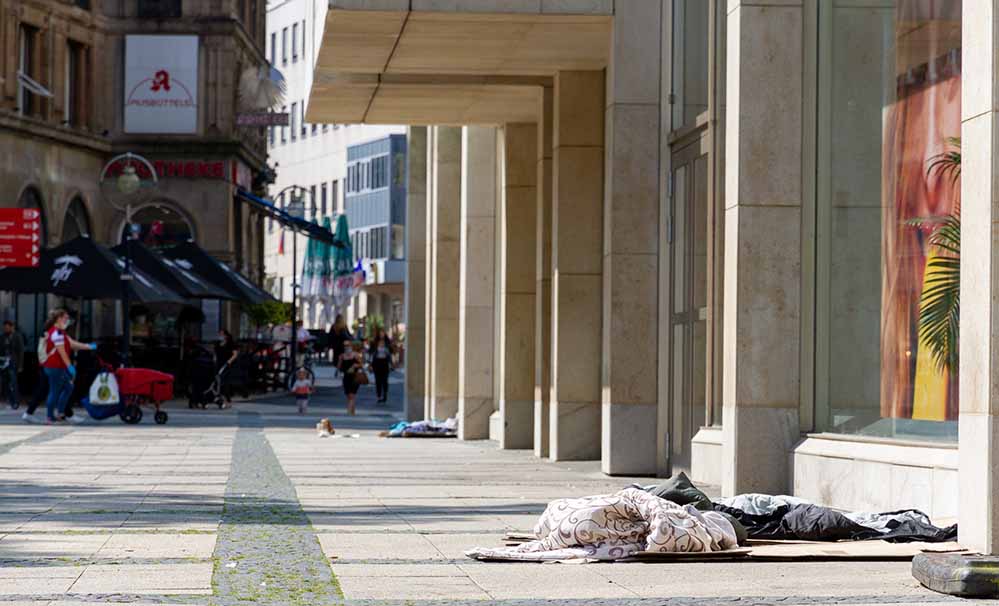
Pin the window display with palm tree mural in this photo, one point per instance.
(888, 219)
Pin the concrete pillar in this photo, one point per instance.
(631, 244)
(428, 275)
(517, 273)
(478, 275)
(416, 277)
(543, 276)
(761, 317)
(577, 265)
(978, 428)
(446, 251)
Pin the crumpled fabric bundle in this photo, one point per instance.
(424, 428)
(761, 504)
(616, 526)
(790, 518)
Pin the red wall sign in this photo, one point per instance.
(20, 237)
(190, 169)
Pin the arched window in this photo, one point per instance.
(32, 198)
(77, 221)
(160, 225)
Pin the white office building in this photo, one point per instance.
(313, 156)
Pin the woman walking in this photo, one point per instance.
(381, 365)
(350, 363)
(58, 365)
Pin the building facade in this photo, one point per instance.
(87, 80)
(376, 214)
(724, 238)
(312, 156)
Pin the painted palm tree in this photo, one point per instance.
(940, 302)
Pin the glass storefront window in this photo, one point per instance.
(889, 111)
(689, 61)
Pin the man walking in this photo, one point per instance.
(11, 361)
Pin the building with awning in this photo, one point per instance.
(694, 235)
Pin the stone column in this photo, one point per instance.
(763, 195)
(543, 275)
(416, 277)
(978, 457)
(631, 244)
(478, 274)
(577, 265)
(428, 275)
(517, 267)
(444, 284)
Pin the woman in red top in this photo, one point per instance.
(57, 364)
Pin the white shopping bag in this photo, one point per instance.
(104, 389)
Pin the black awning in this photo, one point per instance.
(191, 256)
(302, 226)
(83, 269)
(185, 281)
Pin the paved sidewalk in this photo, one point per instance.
(249, 506)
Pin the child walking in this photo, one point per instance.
(302, 389)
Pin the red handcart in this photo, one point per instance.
(143, 387)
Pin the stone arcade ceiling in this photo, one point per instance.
(456, 67)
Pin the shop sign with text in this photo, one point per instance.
(161, 84)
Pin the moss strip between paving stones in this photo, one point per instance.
(267, 551)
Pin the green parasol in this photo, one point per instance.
(308, 289)
(343, 255)
(345, 282)
(324, 276)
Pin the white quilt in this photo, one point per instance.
(615, 526)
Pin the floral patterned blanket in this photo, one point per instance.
(616, 526)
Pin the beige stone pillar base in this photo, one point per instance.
(628, 439)
(575, 431)
(978, 473)
(518, 419)
(542, 431)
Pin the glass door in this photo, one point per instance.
(688, 317)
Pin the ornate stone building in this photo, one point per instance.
(76, 92)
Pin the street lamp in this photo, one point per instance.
(296, 208)
(126, 185)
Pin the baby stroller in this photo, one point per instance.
(206, 383)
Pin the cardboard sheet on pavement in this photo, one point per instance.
(794, 550)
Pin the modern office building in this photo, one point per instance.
(309, 155)
(376, 213)
(721, 235)
(85, 80)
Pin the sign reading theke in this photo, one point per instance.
(161, 84)
(20, 237)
